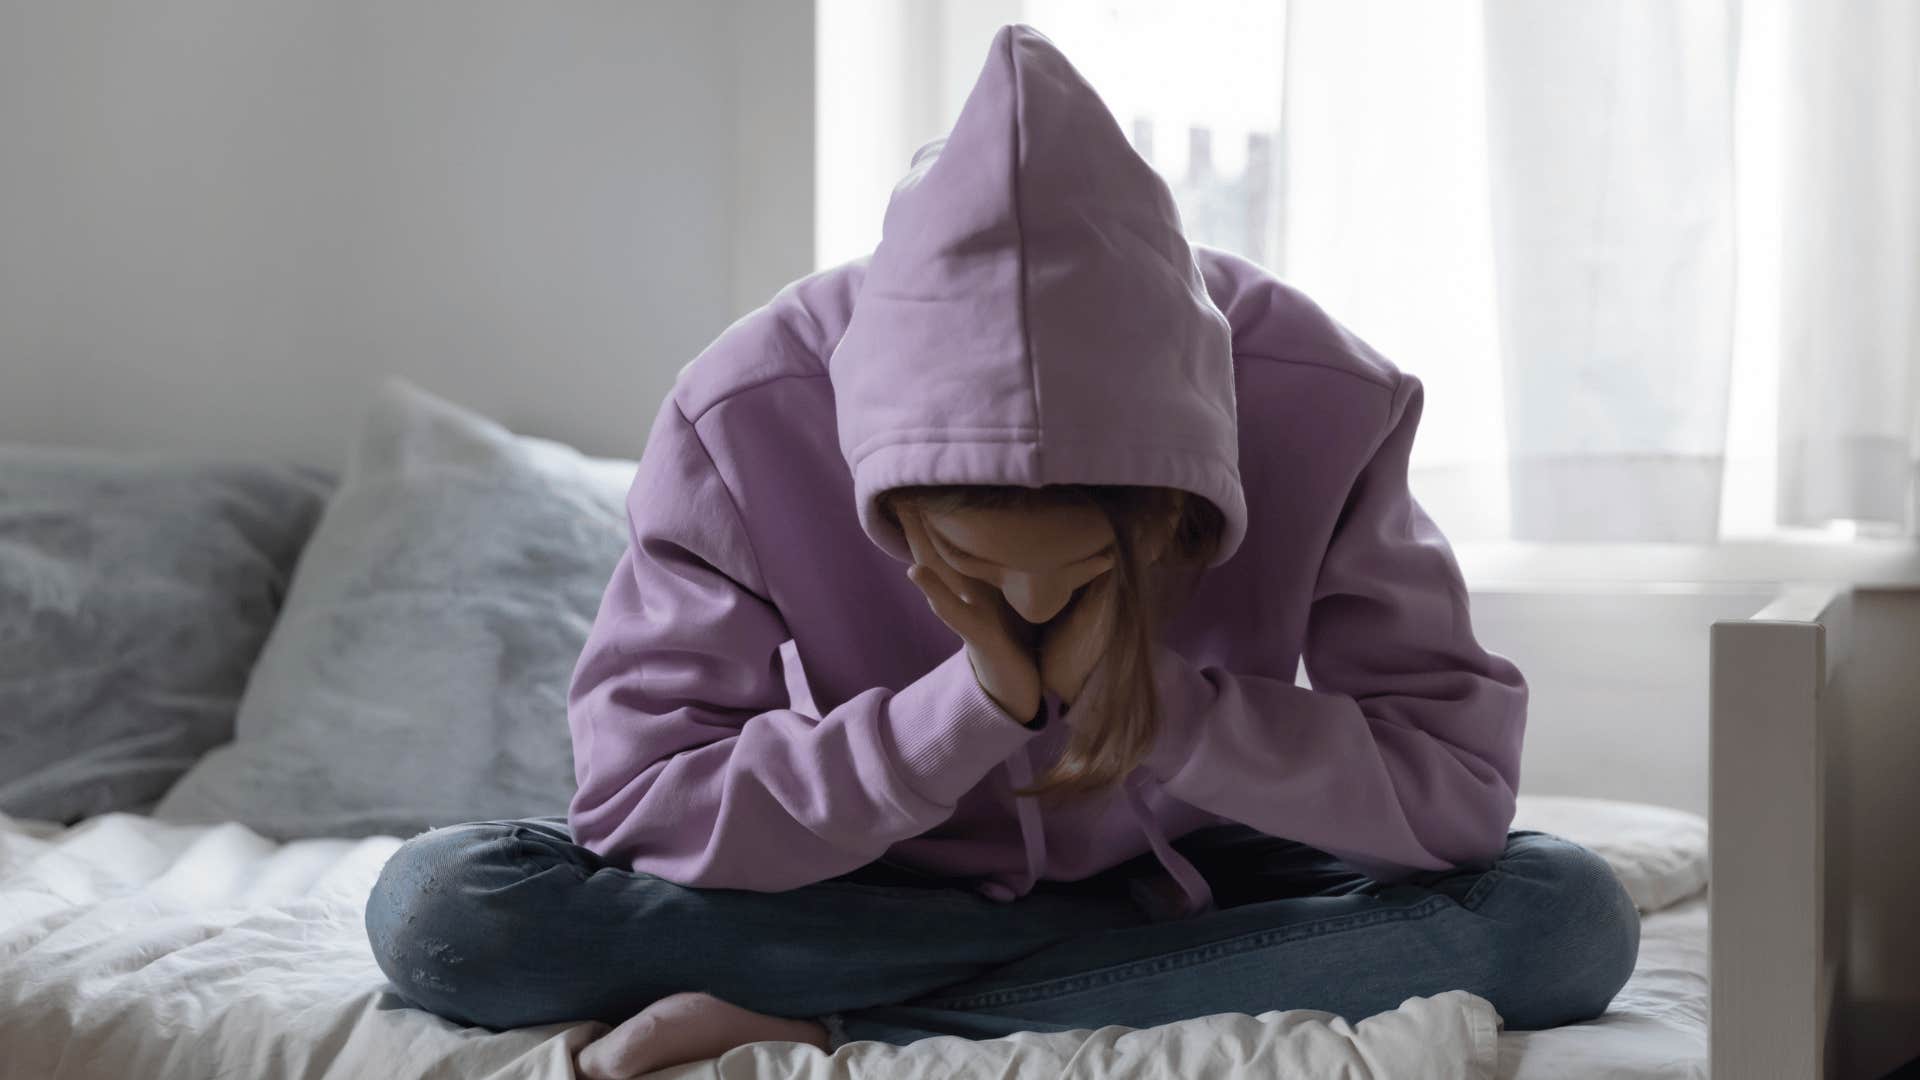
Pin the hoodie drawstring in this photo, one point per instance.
(1199, 895)
(1031, 831)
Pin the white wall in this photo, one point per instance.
(1618, 702)
(220, 220)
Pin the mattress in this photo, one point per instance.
(135, 947)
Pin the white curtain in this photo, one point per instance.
(1549, 186)
(1657, 262)
(1851, 301)
(1610, 158)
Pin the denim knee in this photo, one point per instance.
(419, 916)
(1570, 934)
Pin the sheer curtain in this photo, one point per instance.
(1851, 302)
(1656, 261)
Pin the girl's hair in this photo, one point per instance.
(1122, 689)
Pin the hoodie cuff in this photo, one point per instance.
(948, 733)
(1186, 695)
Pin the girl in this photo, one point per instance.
(1059, 774)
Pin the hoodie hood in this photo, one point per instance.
(1033, 313)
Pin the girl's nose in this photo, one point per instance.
(1036, 601)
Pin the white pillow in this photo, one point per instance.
(417, 674)
(1658, 852)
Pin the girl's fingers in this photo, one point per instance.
(1072, 648)
(1092, 606)
(1083, 630)
(925, 555)
(973, 609)
(944, 603)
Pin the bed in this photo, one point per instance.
(135, 944)
(1815, 732)
(134, 947)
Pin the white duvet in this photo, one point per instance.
(134, 948)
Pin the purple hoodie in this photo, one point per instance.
(1032, 315)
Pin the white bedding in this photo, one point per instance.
(131, 947)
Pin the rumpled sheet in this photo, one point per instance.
(132, 947)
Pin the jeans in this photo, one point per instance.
(507, 924)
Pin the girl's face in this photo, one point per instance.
(1036, 558)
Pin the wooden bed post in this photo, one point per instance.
(1772, 960)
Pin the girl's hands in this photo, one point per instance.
(1000, 644)
(1072, 643)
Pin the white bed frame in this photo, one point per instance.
(1814, 744)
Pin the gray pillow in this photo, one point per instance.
(135, 594)
(417, 676)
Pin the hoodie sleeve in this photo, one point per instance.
(1405, 754)
(689, 762)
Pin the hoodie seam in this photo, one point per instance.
(1394, 411)
(1020, 253)
(762, 588)
(1390, 384)
(990, 435)
(1397, 397)
(747, 387)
